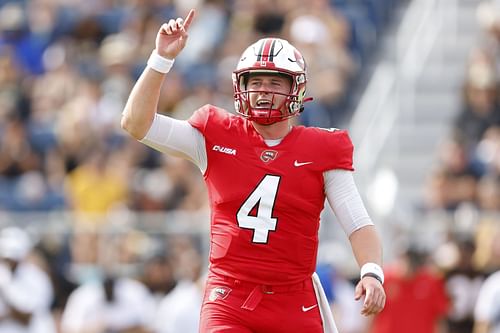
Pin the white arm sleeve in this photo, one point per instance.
(177, 138)
(346, 203)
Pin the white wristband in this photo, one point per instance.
(371, 269)
(159, 63)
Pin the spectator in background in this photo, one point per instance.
(463, 281)
(487, 311)
(13, 99)
(159, 276)
(455, 179)
(487, 156)
(487, 240)
(199, 53)
(98, 185)
(22, 182)
(323, 34)
(175, 184)
(481, 107)
(179, 310)
(417, 301)
(19, 31)
(26, 291)
(488, 194)
(114, 304)
(17, 154)
(488, 15)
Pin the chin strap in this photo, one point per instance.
(305, 100)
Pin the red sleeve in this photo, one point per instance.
(199, 119)
(340, 149)
(211, 121)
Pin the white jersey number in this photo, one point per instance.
(261, 200)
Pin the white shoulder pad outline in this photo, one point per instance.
(331, 129)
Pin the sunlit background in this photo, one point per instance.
(118, 233)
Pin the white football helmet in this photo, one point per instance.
(270, 56)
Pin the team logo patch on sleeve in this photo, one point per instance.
(268, 155)
(219, 293)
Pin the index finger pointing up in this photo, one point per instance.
(188, 20)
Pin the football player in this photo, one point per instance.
(267, 182)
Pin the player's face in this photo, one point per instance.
(268, 91)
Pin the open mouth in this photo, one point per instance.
(264, 104)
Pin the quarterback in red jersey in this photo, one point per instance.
(267, 183)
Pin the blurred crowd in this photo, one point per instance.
(465, 185)
(159, 290)
(66, 69)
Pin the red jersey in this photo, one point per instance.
(266, 201)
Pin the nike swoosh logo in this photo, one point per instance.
(304, 309)
(299, 164)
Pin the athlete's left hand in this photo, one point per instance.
(374, 300)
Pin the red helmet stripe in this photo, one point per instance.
(259, 53)
(267, 48)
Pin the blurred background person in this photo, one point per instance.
(26, 291)
(417, 300)
(114, 304)
(179, 309)
(463, 280)
(487, 311)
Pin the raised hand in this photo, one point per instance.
(172, 36)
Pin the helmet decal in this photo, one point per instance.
(299, 59)
(269, 48)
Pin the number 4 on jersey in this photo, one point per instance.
(262, 200)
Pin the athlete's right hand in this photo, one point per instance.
(172, 36)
